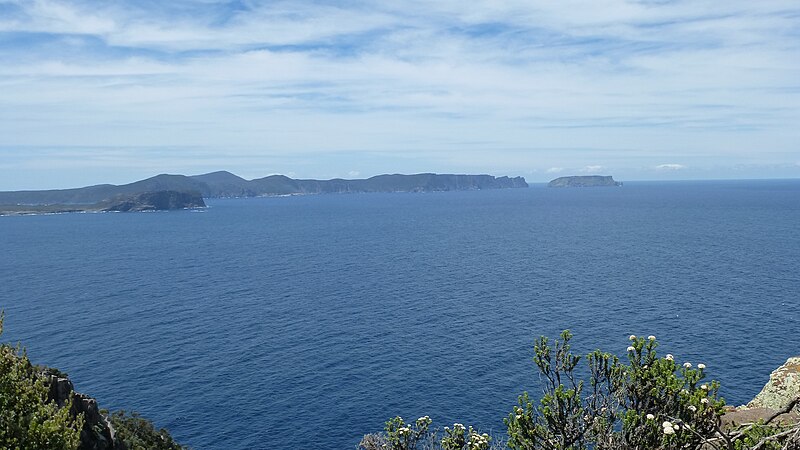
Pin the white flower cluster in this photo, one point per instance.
(670, 428)
(403, 430)
(478, 441)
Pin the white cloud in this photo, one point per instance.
(46, 16)
(670, 167)
(288, 78)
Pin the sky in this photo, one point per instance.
(115, 91)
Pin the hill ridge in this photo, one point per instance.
(222, 184)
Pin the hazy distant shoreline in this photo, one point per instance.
(225, 184)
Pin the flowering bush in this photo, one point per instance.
(402, 436)
(648, 402)
(457, 439)
(398, 435)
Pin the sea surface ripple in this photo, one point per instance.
(305, 322)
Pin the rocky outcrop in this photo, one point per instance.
(156, 201)
(777, 395)
(97, 432)
(783, 387)
(743, 415)
(585, 181)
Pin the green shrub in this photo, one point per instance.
(647, 403)
(28, 421)
(399, 435)
(138, 433)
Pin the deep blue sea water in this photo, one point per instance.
(305, 322)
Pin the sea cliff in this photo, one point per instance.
(584, 181)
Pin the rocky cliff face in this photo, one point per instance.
(97, 432)
(157, 201)
(585, 181)
(782, 388)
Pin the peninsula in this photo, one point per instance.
(145, 201)
(225, 184)
(584, 181)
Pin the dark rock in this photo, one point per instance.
(97, 432)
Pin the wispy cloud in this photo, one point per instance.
(668, 167)
(293, 78)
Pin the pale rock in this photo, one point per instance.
(783, 387)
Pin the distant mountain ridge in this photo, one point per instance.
(226, 184)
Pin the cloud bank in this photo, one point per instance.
(326, 88)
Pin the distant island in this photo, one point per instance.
(160, 192)
(585, 181)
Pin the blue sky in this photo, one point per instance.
(114, 91)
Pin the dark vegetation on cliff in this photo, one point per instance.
(226, 184)
(39, 410)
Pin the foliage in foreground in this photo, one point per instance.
(27, 420)
(399, 435)
(138, 433)
(30, 421)
(648, 403)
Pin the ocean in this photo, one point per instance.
(308, 321)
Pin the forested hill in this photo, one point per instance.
(226, 184)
